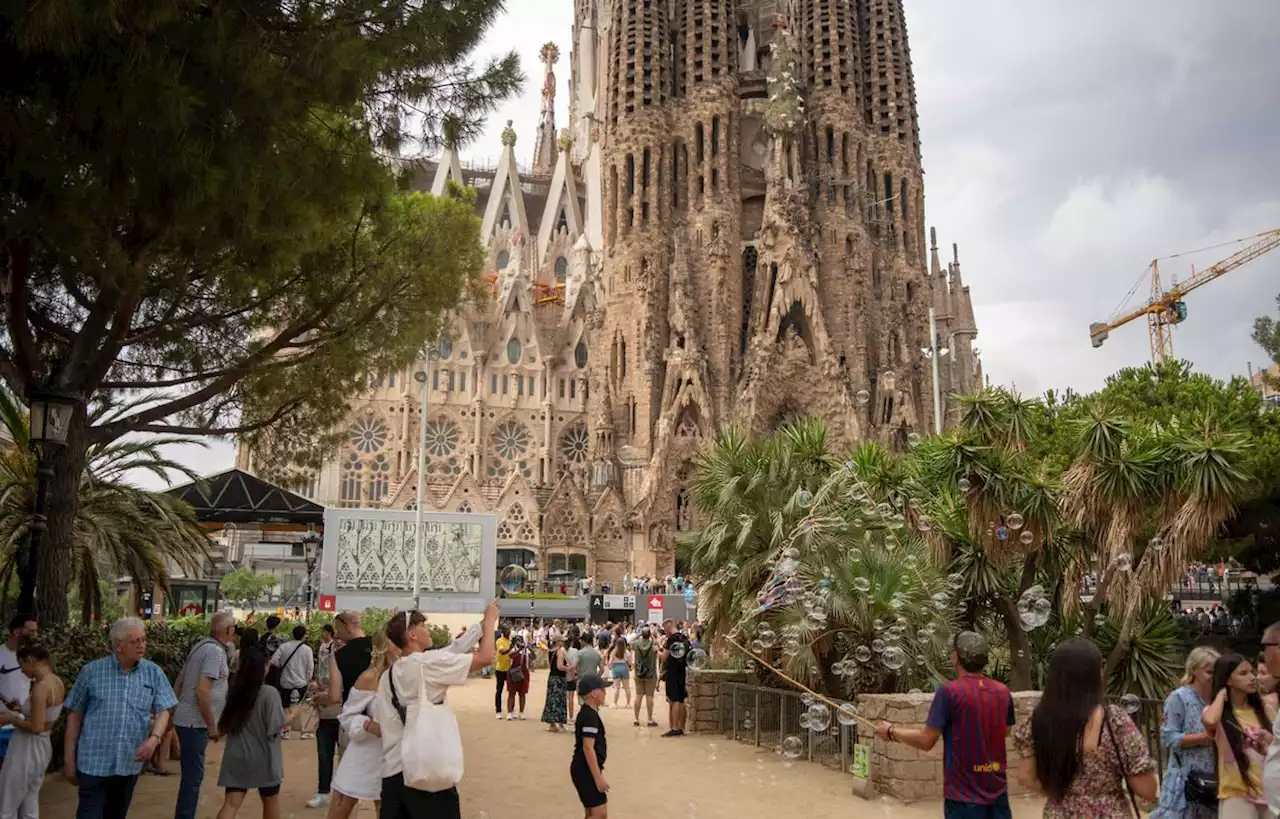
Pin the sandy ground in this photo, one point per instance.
(518, 768)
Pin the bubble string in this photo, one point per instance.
(838, 706)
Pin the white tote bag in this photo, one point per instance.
(432, 746)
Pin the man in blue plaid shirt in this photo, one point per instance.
(110, 730)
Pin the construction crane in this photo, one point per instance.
(1167, 307)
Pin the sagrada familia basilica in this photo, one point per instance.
(729, 231)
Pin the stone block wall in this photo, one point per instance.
(708, 696)
(901, 771)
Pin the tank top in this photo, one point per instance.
(353, 659)
(555, 670)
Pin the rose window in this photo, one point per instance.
(511, 442)
(368, 434)
(574, 446)
(442, 440)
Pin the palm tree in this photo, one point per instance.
(812, 548)
(120, 529)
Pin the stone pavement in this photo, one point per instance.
(517, 768)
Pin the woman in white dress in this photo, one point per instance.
(359, 775)
(30, 749)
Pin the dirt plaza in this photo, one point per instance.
(518, 767)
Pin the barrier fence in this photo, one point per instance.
(764, 717)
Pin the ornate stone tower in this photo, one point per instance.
(730, 230)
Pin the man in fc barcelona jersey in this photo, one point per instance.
(971, 714)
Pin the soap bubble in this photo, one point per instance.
(862, 654)
(1026, 538)
(893, 658)
(956, 581)
(923, 524)
(676, 649)
(804, 498)
(767, 636)
(789, 553)
(963, 484)
(1043, 607)
(819, 717)
(757, 647)
(732, 570)
(1130, 703)
(1014, 521)
(1099, 619)
(792, 747)
(749, 665)
(861, 584)
(512, 578)
(877, 645)
(847, 714)
(863, 397)
(697, 659)
(1123, 562)
(913, 439)
(887, 378)
(1157, 543)
(1002, 532)
(805, 721)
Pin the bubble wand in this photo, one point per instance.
(842, 708)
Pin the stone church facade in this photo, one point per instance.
(730, 231)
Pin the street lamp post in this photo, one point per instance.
(933, 352)
(50, 421)
(311, 554)
(423, 377)
(531, 569)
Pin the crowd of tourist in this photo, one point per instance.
(245, 689)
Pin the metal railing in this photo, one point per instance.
(766, 716)
(1148, 718)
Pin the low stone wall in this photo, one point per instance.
(708, 695)
(901, 771)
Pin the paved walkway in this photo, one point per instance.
(518, 768)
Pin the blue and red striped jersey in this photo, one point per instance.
(973, 713)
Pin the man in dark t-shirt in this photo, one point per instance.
(972, 715)
(589, 748)
(674, 654)
(350, 661)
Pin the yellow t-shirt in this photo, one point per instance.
(503, 660)
(1256, 741)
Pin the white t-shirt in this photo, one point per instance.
(439, 669)
(1271, 771)
(295, 668)
(14, 685)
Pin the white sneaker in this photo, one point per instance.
(320, 800)
(521, 715)
(306, 735)
(510, 717)
(499, 716)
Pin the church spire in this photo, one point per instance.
(544, 152)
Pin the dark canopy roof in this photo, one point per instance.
(238, 497)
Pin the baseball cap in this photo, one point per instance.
(591, 682)
(971, 648)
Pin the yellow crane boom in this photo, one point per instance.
(1167, 307)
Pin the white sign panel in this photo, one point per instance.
(368, 559)
(619, 601)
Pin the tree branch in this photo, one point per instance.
(26, 356)
(177, 429)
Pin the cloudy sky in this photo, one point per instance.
(1065, 146)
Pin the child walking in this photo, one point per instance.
(589, 749)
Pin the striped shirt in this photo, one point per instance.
(973, 713)
(208, 658)
(117, 707)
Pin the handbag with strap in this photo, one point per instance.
(274, 672)
(431, 751)
(516, 675)
(1201, 788)
(1124, 769)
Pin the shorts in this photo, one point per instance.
(620, 671)
(265, 793)
(999, 809)
(646, 686)
(585, 784)
(289, 697)
(677, 690)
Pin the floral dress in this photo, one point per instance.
(1098, 790)
(1181, 717)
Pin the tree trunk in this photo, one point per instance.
(57, 550)
(1019, 645)
(1120, 649)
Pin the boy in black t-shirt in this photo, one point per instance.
(589, 749)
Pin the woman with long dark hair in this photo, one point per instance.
(1078, 750)
(251, 721)
(555, 710)
(1238, 721)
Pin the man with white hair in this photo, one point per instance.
(110, 733)
(202, 692)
